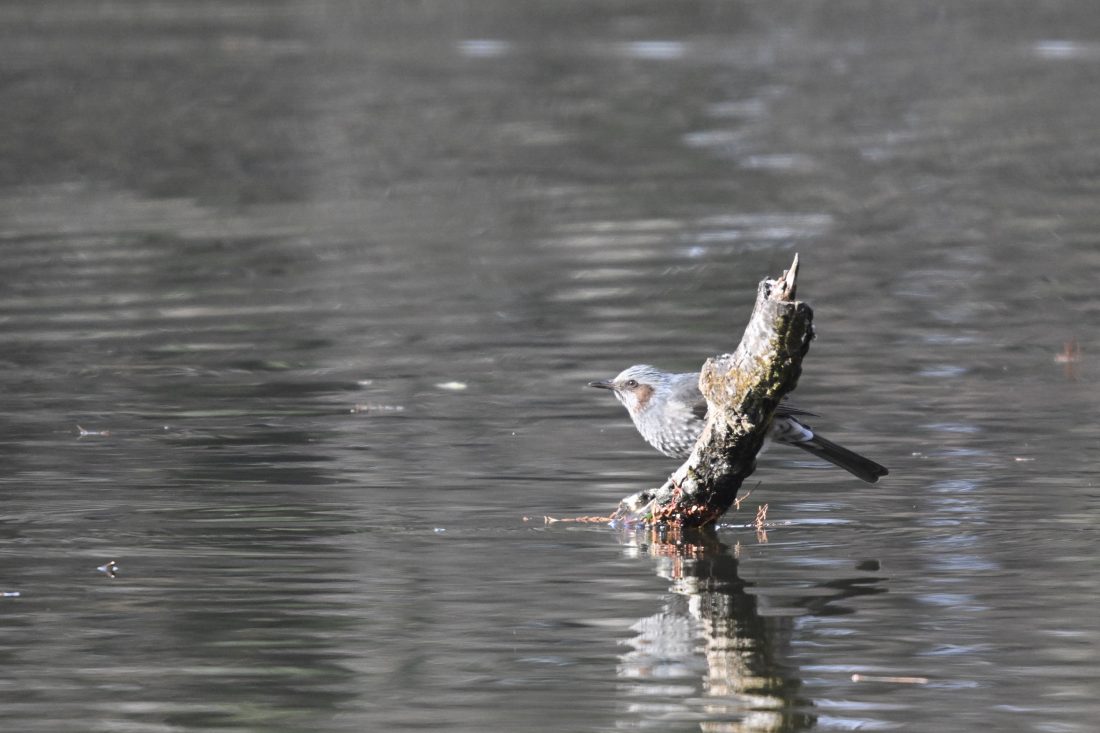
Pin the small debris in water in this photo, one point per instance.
(374, 407)
(1069, 356)
(761, 516)
(746, 495)
(87, 433)
(759, 524)
(1022, 459)
(582, 520)
(110, 569)
(452, 386)
(10, 594)
(896, 680)
(439, 530)
(1071, 352)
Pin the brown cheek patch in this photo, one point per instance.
(642, 393)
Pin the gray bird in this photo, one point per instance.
(670, 411)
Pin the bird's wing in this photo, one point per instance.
(785, 409)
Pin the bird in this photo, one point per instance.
(670, 412)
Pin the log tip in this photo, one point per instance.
(787, 283)
(792, 275)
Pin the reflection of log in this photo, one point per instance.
(742, 391)
(712, 628)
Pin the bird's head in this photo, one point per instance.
(635, 386)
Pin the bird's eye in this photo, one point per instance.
(631, 383)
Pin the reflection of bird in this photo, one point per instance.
(670, 411)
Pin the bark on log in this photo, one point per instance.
(742, 390)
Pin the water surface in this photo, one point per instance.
(298, 302)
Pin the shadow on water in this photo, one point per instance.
(713, 629)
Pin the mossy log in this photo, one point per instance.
(742, 390)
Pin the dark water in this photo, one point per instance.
(297, 303)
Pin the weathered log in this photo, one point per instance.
(742, 390)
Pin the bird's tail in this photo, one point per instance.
(838, 455)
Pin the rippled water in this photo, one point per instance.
(297, 303)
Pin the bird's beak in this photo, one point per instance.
(602, 384)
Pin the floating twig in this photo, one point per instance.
(581, 520)
(895, 680)
(761, 516)
(746, 495)
(371, 407)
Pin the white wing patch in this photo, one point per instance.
(786, 429)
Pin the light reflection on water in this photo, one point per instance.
(242, 280)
